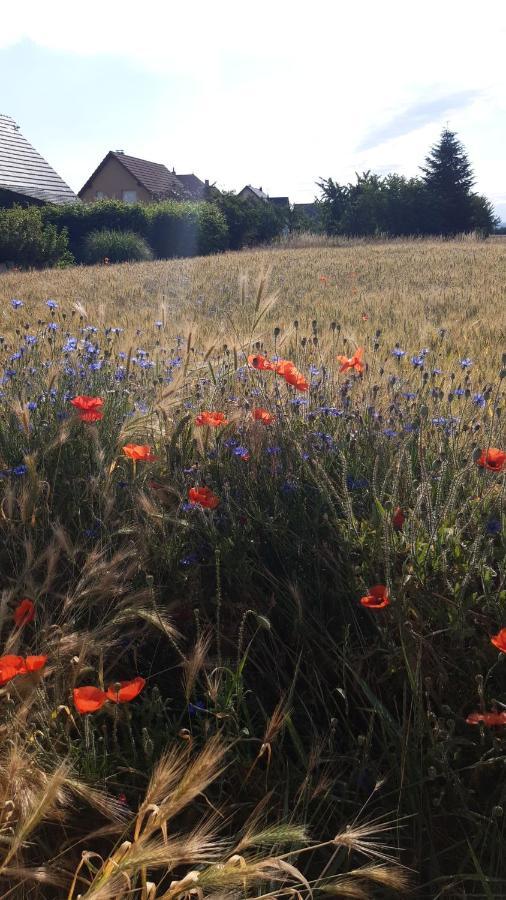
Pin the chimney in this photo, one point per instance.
(119, 151)
(261, 188)
(206, 182)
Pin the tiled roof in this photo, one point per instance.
(194, 186)
(279, 201)
(24, 171)
(257, 191)
(155, 177)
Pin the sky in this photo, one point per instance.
(272, 93)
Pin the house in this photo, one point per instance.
(280, 202)
(25, 176)
(252, 193)
(309, 211)
(198, 190)
(134, 180)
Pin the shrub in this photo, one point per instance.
(249, 222)
(186, 229)
(26, 241)
(116, 246)
(81, 218)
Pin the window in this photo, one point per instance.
(129, 196)
(100, 195)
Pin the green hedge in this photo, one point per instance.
(116, 246)
(26, 240)
(170, 228)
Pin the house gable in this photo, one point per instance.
(119, 174)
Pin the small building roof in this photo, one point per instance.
(154, 177)
(279, 201)
(258, 192)
(24, 172)
(197, 188)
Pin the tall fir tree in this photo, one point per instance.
(449, 178)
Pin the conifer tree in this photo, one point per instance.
(449, 178)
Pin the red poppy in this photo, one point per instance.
(499, 640)
(212, 419)
(34, 663)
(354, 362)
(262, 415)
(24, 612)
(256, 361)
(492, 459)
(127, 691)
(89, 699)
(365, 317)
(89, 408)
(203, 496)
(488, 718)
(291, 374)
(376, 598)
(398, 518)
(323, 279)
(10, 666)
(138, 451)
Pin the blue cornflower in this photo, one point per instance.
(52, 304)
(437, 371)
(189, 560)
(231, 443)
(389, 432)
(70, 344)
(314, 370)
(409, 427)
(398, 353)
(424, 351)
(158, 324)
(243, 452)
(31, 405)
(417, 361)
(356, 484)
(96, 366)
(479, 400)
(120, 373)
(30, 339)
(409, 395)
(466, 363)
(142, 407)
(459, 392)
(16, 304)
(273, 451)
(19, 470)
(493, 526)
(9, 373)
(195, 708)
(53, 326)
(16, 356)
(188, 507)
(330, 411)
(299, 401)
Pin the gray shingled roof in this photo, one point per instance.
(24, 171)
(193, 185)
(257, 191)
(155, 177)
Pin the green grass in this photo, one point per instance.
(245, 620)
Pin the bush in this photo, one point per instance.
(116, 246)
(249, 222)
(81, 218)
(26, 241)
(186, 229)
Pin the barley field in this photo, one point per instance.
(253, 575)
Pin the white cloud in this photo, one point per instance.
(283, 91)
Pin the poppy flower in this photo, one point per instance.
(261, 363)
(24, 612)
(376, 598)
(203, 496)
(291, 374)
(138, 451)
(89, 699)
(354, 362)
(499, 640)
(262, 415)
(365, 317)
(398, 518)
(492, 459)
(34, 663)
(89, 408)
(488, 718)
(323, 279)
(212, 419)
(127, 691)
(10, 666)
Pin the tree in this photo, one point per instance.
(448, 177)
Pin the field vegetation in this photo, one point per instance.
(253, 575)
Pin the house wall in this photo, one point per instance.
(112, 180)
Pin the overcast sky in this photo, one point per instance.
(275, 94)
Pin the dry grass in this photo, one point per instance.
(408, 289)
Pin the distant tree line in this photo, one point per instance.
(440, 202)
